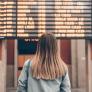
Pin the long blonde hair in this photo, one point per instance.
(47, 63)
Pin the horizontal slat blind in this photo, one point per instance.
(29, 18)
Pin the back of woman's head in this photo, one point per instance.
(47, 46)
(47, 63)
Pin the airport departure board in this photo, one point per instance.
(30, 18)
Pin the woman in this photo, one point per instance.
(46, 72)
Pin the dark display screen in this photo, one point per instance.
(27, 47)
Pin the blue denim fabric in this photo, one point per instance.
(26, 83)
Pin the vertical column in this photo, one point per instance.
(3, 66)
(15, 63)
(74, 63)
(89, 68)
(81, 64)
(10, 64)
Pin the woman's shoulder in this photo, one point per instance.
(27, 63)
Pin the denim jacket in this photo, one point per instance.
(26, 83)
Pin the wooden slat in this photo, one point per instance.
(28, 57)
(21, 60)
(10, 52)
(66, 51)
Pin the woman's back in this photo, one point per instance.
(47, 72)
(26, 83)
